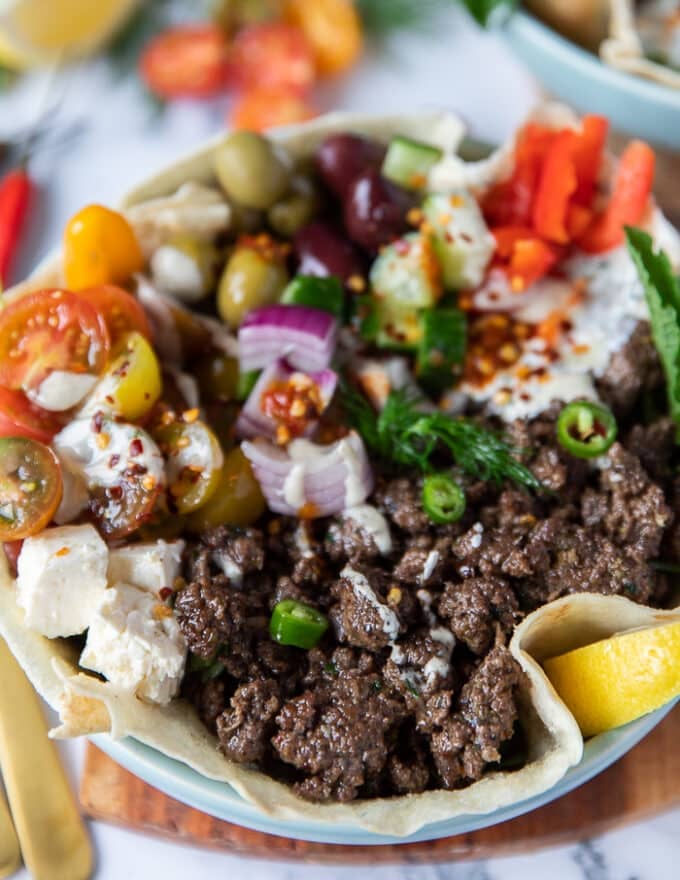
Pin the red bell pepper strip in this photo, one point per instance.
(508, 236)
(588, 151)
(628, 202)
(531, 259)
(556, 185)
(509, 203)
(15, 195)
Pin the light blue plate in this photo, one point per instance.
(220, 800)
(634, 105)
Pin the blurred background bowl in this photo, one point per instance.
(635, 106)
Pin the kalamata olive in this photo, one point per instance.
(375, 210)
(342, 157)
(324, 250)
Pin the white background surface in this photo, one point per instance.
(456, 66)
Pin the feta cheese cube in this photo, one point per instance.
(61, 579)
(149, 566)
(135, 641)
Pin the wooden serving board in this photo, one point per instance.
(645, 781)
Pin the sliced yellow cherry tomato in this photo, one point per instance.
(333, 30)
(237, 500)
(30, 487)
(194, 462)
(100, 247)
(131, 384)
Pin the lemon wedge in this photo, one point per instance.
(33, 32)
(613, 681)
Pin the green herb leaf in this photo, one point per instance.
(662, 291)
(207, 669)
(484, 10)
(382, 17)
(406, 435)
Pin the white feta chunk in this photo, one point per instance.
(135, 641)
(61, 579)
(149, 566)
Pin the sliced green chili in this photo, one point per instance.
(297, 624)
(443, 499)
(586, 429)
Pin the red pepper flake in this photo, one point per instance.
(292, 405)
(97, 422)
(63, 551)
(136, 447)
(114, 460)
(164, 593)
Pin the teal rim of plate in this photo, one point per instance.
(218, 799)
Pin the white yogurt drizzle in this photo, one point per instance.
(373, 523)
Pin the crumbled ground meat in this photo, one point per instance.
(245, 728)
(412, 686)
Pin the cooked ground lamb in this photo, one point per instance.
(413, 687)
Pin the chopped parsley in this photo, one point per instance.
(405, 435)
(662, 291)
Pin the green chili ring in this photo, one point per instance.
(297, 624)
(443, 499)
(586, 429)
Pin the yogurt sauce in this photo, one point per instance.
(609, 304)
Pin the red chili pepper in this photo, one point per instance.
(16, 188)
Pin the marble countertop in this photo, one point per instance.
(122, 139)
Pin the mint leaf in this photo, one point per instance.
(662, 291)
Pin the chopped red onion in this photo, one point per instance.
(252, 422)
(306, 337)
(321, 480)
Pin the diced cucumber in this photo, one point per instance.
(441, 349)
(461, 239)
(407, 162)
(399, 329)
(317, 292)
(406, 274)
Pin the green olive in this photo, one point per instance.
(237, 500)
(295, 209)
(250, 170)
(249, 281)
(245, 220)
(217, 376)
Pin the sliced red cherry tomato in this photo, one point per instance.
(50, 330)
(122, 312)
(628, 202)
(188, 61)
(261, 109)
(20, 417)
(272, 56)
(12, 550)
(30, 487)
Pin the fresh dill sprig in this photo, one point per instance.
(402, 433)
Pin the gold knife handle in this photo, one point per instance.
(10, 854)
(54, 842)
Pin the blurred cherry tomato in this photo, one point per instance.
(188, 61)
(260, 109)
(272, 56)
(100, 247)
(333, 29)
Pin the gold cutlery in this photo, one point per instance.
(54, 843)
(10, 855)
